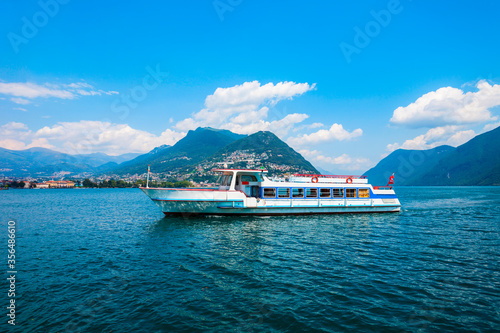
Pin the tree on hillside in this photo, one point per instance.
(88, 183)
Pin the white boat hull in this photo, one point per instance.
(216, 202)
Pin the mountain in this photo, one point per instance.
(193, 148)
(476, 162)
(408, 165)
(260, 149)
(324, 171)
(42, 162)
(204, 149)
(39, 162)
(98, 159)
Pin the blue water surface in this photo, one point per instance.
(106, 260)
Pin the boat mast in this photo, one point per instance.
(147, 179)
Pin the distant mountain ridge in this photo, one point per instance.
(42, 162)
(476, 162)
(99, 159)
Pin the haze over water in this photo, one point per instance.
(93, 260)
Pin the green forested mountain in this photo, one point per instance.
(262, 149)
(476, 162)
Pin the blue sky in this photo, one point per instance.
(344, 83)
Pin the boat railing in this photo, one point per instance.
(330, 176)
(382, 188)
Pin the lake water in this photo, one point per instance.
(102, 260)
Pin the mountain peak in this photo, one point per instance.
(262, 148)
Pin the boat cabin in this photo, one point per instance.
(255, 183)
(246, 181)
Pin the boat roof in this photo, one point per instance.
(330, 176)
(244, 170)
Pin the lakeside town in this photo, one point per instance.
(87, 183)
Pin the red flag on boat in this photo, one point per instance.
(391, 180)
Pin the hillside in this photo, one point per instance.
(476, 162)
(196, 146)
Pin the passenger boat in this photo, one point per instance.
(251, 192)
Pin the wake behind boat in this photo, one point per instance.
(251, 192)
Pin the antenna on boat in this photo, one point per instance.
(147, 179)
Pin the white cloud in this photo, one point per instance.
(343, 161)
(18, 100)
(336, 132)
(279, 127)
(14, 130)
(310, 126)
(245, 108)
(250, 95)
(459, 138)
(447, 135)
(63, 91)
(85, 137)
(450, 106)
(13, 135)
(489, 127)
(12, 144)
(20, 109)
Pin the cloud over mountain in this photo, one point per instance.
(450, 106)
(85, 137)
(245, 108)
(335, 133)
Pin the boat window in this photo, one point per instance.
(311, 192)
(338, 192)
(350, 193)
(269, 193)
(364, 193)
(324, 192)
(226, 180)
(248, 178)
(297, 192)
(283, 192)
